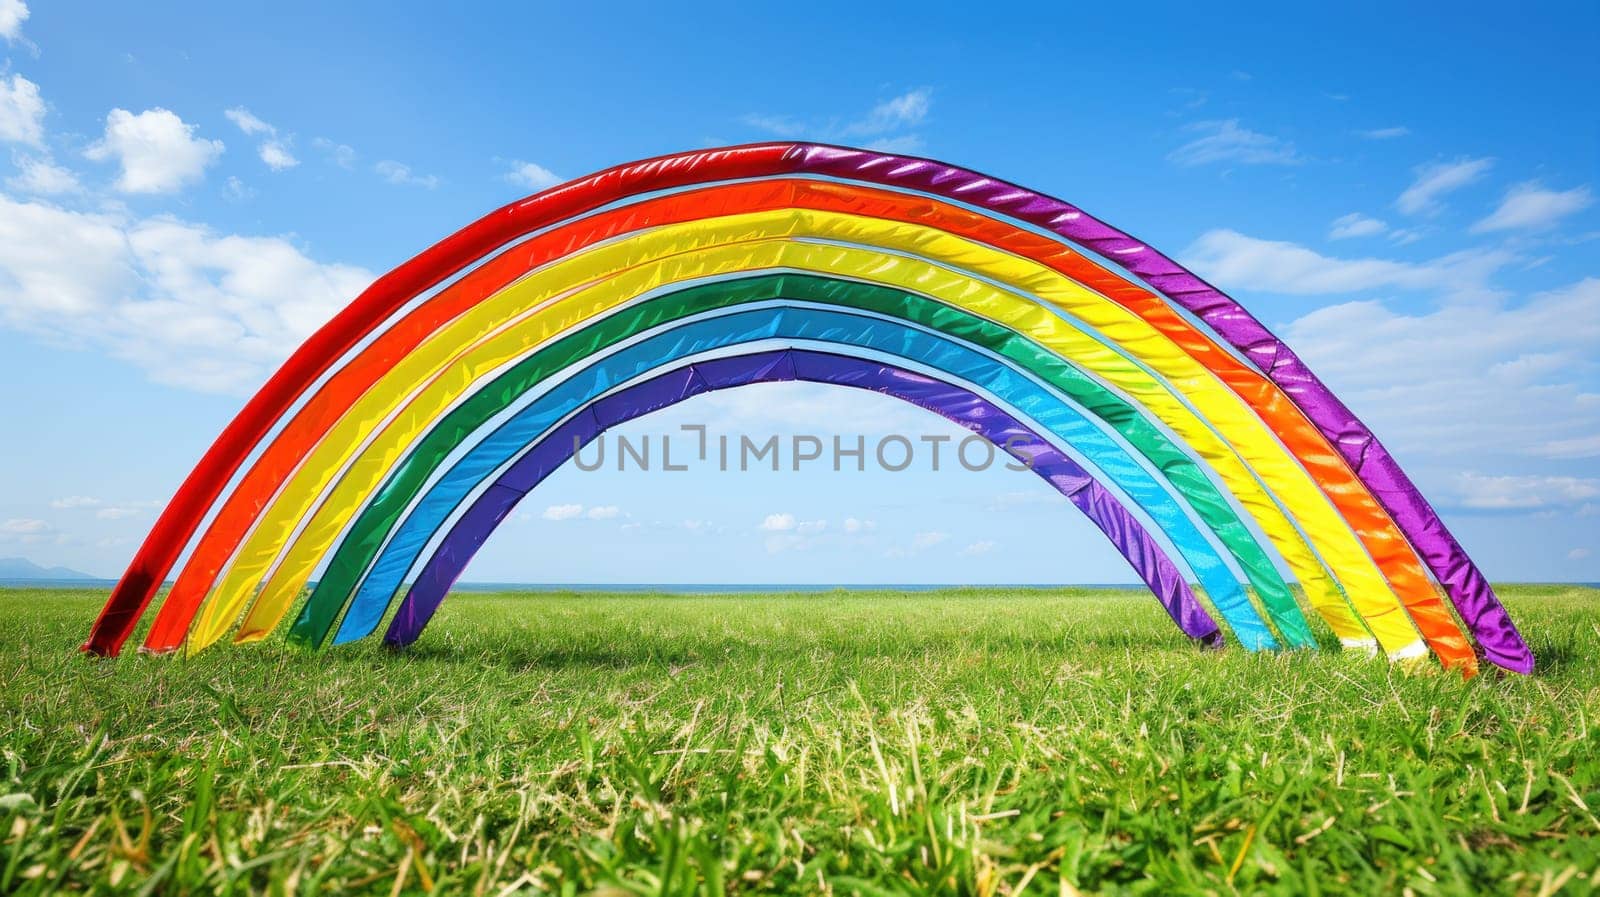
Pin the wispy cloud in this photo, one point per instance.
(1436, 180)
(275, 150)
(531, 175)
(28, 531)
(907, 110)
(1237, 261)
(777, 523)
(1523, 493)
(784, 532)
(563, 512)
(1529, 206)
(247, 121)
(889, 126)
(1226, 141)
(1355, 224)
(41, 176)
(339, 154)
(72, 502)
(1385, 133)
(399, 173)
(573, 511)
(1192, 98)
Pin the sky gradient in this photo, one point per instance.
(1407, 199)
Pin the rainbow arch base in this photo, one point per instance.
(288, 482)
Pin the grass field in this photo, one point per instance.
(964, 742)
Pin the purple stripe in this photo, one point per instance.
(1465, 584)
(473, 527)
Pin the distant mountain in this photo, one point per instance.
(22, 568)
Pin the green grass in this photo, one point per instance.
(965, 742)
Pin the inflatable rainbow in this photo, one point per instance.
(410, 425)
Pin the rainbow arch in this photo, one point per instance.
(1191, 436)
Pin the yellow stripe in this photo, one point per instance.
(453, 356)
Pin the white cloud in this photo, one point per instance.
(397, 173)
(1355, 224)
(563, 512)
(1192, 98)
(1577, 554)
(785, 533)
(76, 501)
(1435, 180)
(1236, 261)
(853, 525)
(275, 150)
(157, 150)
(1468, 377)
(779, 125)
(885, 127)
(604, 512)
(25, 526)
(12, 14)
(40, 176)
(340, 154)
(1523, 493)
(1225, 141)
(1581, 447)
(277, 155)
(531, 175)
(975, 549)
(119, 512)
(929, 539)
(248, 122)
(1529, 206)
(1386, 133)
(904, 144)
(21, 111)
(237, 190)
(905, 111)
(191, 307)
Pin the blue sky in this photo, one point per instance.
(1408, 198)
